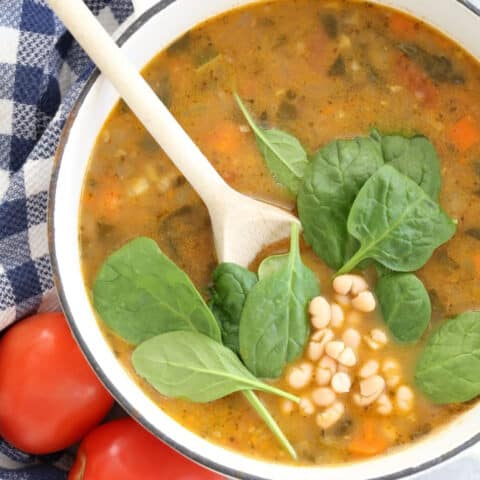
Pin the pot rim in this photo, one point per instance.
(109, 384)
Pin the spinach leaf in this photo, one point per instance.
(274, 325)
(192, 366)
(283, 153)
(139, 293)
(415, 157)
(231, 284)
(437, 67)
(271, 264)
(405, 305)
(330, 185)
(396, 223)
(449, 367)
(266, 416)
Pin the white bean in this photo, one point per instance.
(287, 407)
(368, 369)
(331, 415)
(342, 284)
(379, 336)
(319, 308)
(372, 385)
(328, 363)
(347, 358)
(404, 398)
(351, 338)
(337, 316)
(377, 339)
(306, 406)
(364, 302)
(334, 348)
(341, 382)
(359, 285)
(344, 42)
(323, 376)
(392, 372)
(343, 300)
(384, 404)
(300, 376)
(316, 347)
(362, 401)
(323, 396)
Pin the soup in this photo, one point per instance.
(320, 71)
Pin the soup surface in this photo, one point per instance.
(322, 71)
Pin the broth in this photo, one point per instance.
(321, 70)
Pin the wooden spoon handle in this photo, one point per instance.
(141, 99)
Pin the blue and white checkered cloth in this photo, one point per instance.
(42, 71)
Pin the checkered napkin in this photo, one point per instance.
(42, 71)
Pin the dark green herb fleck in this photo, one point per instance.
(330, 24)
(338, 67)
(473, 232)
(287, 111)
(437, 67)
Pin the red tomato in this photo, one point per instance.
(49, 396)
(124, 450)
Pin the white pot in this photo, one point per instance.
(155, 29)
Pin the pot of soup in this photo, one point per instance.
(350, 350)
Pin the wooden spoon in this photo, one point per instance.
(241, 225)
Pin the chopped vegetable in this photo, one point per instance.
(402, 26)
(465, 133)
(369, 440)
(225, 138)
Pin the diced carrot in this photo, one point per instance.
(225, 138)
(465, 133)
(402, 26)
(476, 263)
(416, 80)
(369, 440)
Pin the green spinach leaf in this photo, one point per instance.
(415, 157)
(330, 185)
(283, 153)
(139, 293)
(231, 284)
(449, 367)
(437, 67)
(396, 223)
(271, 264)
(266, 416)
(192, 366)
(274, 325)
(405, 305)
